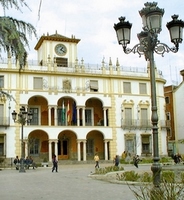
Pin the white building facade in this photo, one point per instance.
(178, 103)
(78, 110)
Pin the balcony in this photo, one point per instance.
(4, 121)
(165, 124)
(136, 124)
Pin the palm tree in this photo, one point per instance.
(13, 32)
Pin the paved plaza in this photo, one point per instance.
(72, 182)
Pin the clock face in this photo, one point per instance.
(60, 49)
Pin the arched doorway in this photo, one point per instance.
(67, 147)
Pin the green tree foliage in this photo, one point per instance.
(14, 33)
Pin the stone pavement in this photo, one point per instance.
(72, 182)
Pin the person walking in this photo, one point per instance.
(136, 160)
(116, 160)
(16, 162)
(96, 159)
(55, 164)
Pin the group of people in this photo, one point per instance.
(27, 162)
(116, 161)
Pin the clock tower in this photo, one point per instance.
(58, 48)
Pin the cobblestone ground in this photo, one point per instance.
(72, 182)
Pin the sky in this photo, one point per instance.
(92, 22)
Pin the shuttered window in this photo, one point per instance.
(144, 116)
(94, 85)
(1, 114)
(126, 87)
(1, 81)
(128, 116)
(38, 83)
(142, 88)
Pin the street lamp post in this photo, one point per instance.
(23, 118)
(148, 44)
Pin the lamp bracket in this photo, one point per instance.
(145, 47)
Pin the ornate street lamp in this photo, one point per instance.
(148, 44)
(23, 118)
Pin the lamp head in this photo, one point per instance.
(14, 115)
(152, 17)
(175, 28)
(123, 30)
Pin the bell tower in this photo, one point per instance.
(57, 48)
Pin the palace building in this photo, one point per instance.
(78, 110)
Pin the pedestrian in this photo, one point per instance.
(96, 159)
(16, 162)
(32, 162)
(116, 160)
(27, 162)
(124, 154)
(136, 160)
(55, 164)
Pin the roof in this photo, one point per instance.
(55, 37)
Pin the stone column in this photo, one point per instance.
(83, 116)
(26, 148)
(50, 151)
(56, 148)
(84, 150)
(55, 116)
(106, 150)
(49, 115)
(78, 119)
(78, 150)
(105, 117)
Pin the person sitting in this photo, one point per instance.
(27, 162)
(32, 162)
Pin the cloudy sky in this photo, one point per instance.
(92, 21)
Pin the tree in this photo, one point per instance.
(13, 32)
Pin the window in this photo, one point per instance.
(1, 81)
(167, 101)
(38, 83)
(142, 88)
(90, 147)
(126, 87)
(34, 147)
(62, 62)
(1, 114)
(168, 116)
(35, 118)
(62, 116)
(146, 144)
(93, 86)
(2, 145)
(128, 116)
(1, 149)
(88, 117)
(129, 146)
(144, 117)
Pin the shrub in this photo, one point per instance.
(168, 176)
(130, 176)
(166, 191)
(108, 169)
(146, 177)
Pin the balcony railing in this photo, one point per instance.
(4, 121)
(165, 123)
(136, 124)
